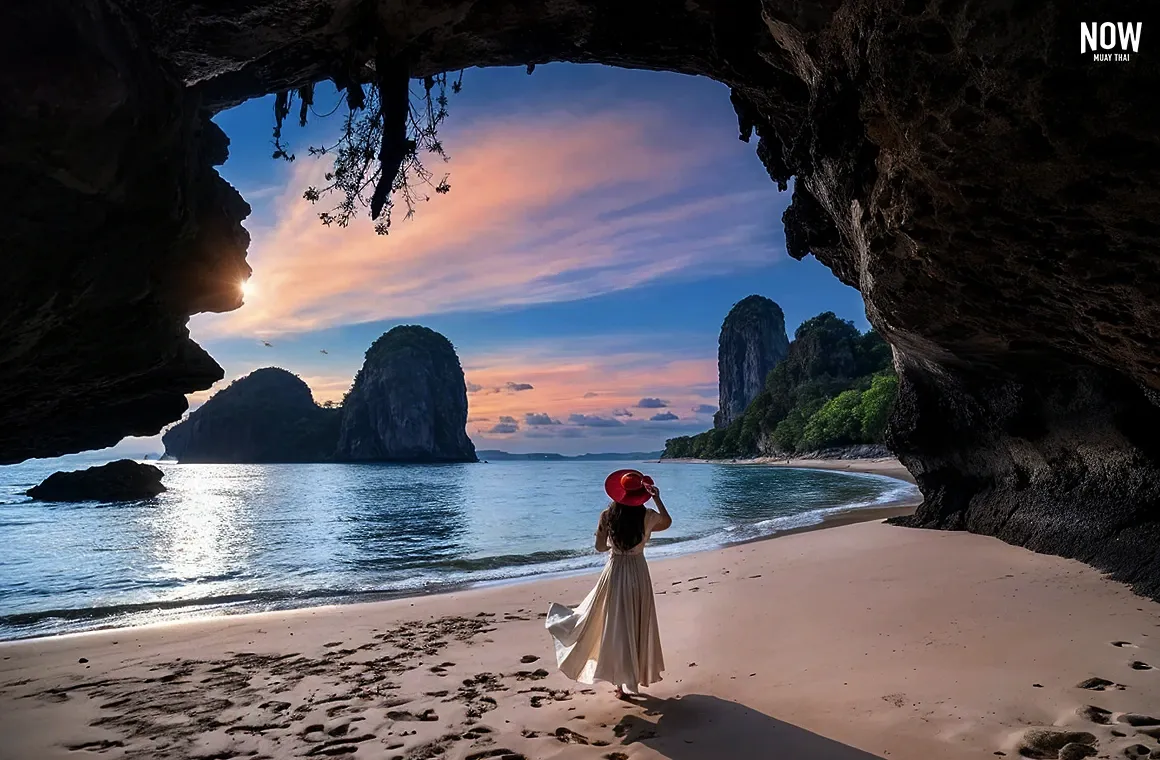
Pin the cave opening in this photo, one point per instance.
(975, 178)
(620, 199)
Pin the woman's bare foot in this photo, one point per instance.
(622, 692)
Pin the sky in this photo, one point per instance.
(600, 224)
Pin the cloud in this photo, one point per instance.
(509, 386)
(586, 420)
(663, 417)
(562, 373)
(507, 420)
(479, 419)
(591, 394)
(704, 409)
(621, 413)
(652, 403)
(504, 428)
(532, 418)
(545, 207)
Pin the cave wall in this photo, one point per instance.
(116, 228)
(989, 190)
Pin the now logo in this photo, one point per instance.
(1120, 36)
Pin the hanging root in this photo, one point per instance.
(395, 106)
(306, 95)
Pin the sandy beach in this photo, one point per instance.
(857, 641)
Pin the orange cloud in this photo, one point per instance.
(580, 391)
(603, 385)
(553, 209)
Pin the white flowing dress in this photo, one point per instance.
(612, 635)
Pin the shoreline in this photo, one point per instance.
(857, 642)
(888, 466)
(838, 517)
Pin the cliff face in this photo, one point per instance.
(991, 191)
(408, 402)
(266, 416)
(835, 387)
(752, 342)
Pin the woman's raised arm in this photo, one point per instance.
(666, 520)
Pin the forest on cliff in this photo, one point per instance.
(835, 387)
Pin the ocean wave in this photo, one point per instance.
(375, 579)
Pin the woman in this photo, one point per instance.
(613, 635)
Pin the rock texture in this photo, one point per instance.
(267, 416)
(123, 480)
(990, 191)
(408, 402)
(752, 342)
(116, 228)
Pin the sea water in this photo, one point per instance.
(238, 538)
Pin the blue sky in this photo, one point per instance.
(600, 225)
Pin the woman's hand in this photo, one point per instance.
(666, 521)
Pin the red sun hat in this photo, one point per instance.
(627, 487)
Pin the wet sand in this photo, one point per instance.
(848, 643)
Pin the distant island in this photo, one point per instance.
(832, 389)
(493, 455)
(408, 403)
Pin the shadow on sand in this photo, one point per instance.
(700, 727)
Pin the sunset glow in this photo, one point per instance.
(582, 262)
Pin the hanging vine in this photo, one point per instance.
(387, 133)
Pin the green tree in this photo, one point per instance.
(836, 424)
(827, 358)
(876, 405)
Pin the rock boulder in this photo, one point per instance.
(123, 480)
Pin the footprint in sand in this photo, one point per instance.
(568, 736)
(313, 733)
(426, 716)
(1077, 751)
(476, 732)
(1136, 750)
(1046, 743)
(97, 746)
(1098, 684)
(527, 658)
(498, 754)
(1137, 720)
(1140, 665)
(1124, 644)
(330, 644)
(1095, 714)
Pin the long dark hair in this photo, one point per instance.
(625, 525)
